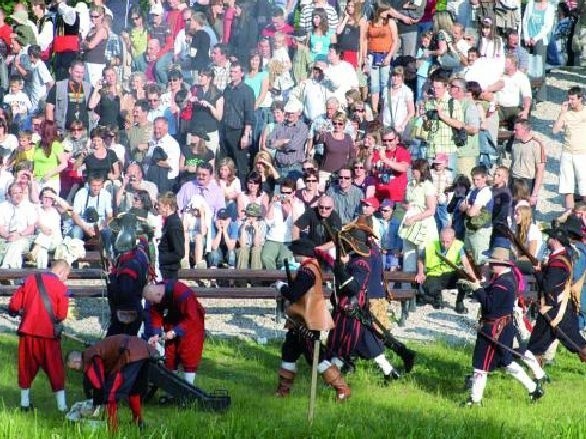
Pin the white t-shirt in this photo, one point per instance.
(535, 235)
(398, 106)
(314, 102)
(516, 87)
(342, 77)
(17, 218)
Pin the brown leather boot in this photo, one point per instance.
(333, 377)
(540, 360)
(286, 378)
(582, 354)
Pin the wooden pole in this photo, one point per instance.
(313, 391)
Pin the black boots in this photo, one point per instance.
(388, 378)
(460, 308)
(406, 354)
(538, 392)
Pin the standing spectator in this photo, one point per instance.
(572, 120)
(136, 38)
(288, 139)
(67, 40)
(338, 148)
(244, 32)
(172, 243)
(237, 119)
(18, 219)
(390, 168)
(398, 102)
(340, 74)
(42, 302)
(207, 109)
(538, 21)
(528, 158)
(161, 108)
(490, 45)
(513, 47)
(407, 16)
(140, 133)
(514, 93)
(390, 243)
(305, 19)
(5, 29)
(49, 158)
(74, 143)
(163, 156)
(159, 30)
(467, 153)
(348, 33)
(105, 99)
(258, 80)
(381, 44)
(40, 78)
(346, 196)
(320, 36)
(313, 94)
(67, 100)
(94, 45)
(443, 114)
(283, 211)
(478, 208)
(220, 66)
(442, 179)
(136, 92)
(502, 208)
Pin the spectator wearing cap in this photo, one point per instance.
(24, 27)
(398, 102)
(442, 179)
(284, 210)
(368, 207)
(225, 235)
(346, 196)
(251, 237)
(288, 139)
(390, 167)
(469, 152)
(159, 30)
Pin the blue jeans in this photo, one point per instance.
(442, 219)
(215, 257)
(293, 171)
(379, 78)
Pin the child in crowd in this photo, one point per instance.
(283, 81)
(423, 62)
(25, 150)
(251, 238)
(19, 103)
(301, 58)
(442, 179)
(460, 189)
(390, 243)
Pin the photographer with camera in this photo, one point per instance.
(389, 167)
(93, 205)
(251, 238)
(105, 98)
(133, 182)
(443, 117)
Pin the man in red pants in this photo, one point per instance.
(40, 343)
(175, 308)
(115, 368)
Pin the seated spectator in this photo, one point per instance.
(8, 141)
(346, 196)
(251, 238)
(197, 221)
(49, 235)
(226, 233)
(253, 193)
(204, 185)
(132, 183)
(283, 211)
(154, 63)
(98, 160)
(263, 165)
(18, 218)
(230, 184)
(191, 155)
(309, 194)
(93, 205)
(23, 176)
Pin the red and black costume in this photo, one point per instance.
(181, 312)
(552, 281)
(117, 368)
(350, 336)
(39, 347)
(496, 302)
(126, 282)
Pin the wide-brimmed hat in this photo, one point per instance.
(354, 237)
(558, 234)
(303, 247)
(253, 209)
(573, 227)
(500, 256)
(20, 17)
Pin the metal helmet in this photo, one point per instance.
(126, 239)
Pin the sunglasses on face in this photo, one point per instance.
(359, 167)
(324, 207)
(344, 177)
(359, 110)
(311, 180)
(286, 193)
(338, 124)
(388, 140)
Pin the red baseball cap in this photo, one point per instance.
(371, 201)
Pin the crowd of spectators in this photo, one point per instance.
(234, 127)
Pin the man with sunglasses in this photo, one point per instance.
(390, 168)
(318, 224)
(346, 196)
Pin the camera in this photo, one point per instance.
(132, 178)
(432, 114)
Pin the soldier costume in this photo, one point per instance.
(308, 315)
(350, 336)
(494, 340)
(558, 312)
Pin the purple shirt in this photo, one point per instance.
(213, 194)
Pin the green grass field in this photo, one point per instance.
(422, 405)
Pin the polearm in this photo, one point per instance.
(315, 359)
(477, 271)
(515, 240)
(461, 272)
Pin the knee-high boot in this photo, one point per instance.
(286, 378)
(407, 355)
(333, 377)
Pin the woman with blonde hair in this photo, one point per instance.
(94, 45)
(528, 234)
(137, 92)
(229, 182)
(263, 164)
(338, 148)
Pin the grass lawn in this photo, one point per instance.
(422, 405)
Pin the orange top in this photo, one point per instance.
(378, 38)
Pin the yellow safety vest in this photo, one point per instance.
(434, 265)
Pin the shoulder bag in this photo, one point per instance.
(57, 326)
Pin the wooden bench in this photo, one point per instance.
(233, 293)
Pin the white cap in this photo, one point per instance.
(293, 106)
(156, 9)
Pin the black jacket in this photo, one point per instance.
(172, 245)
